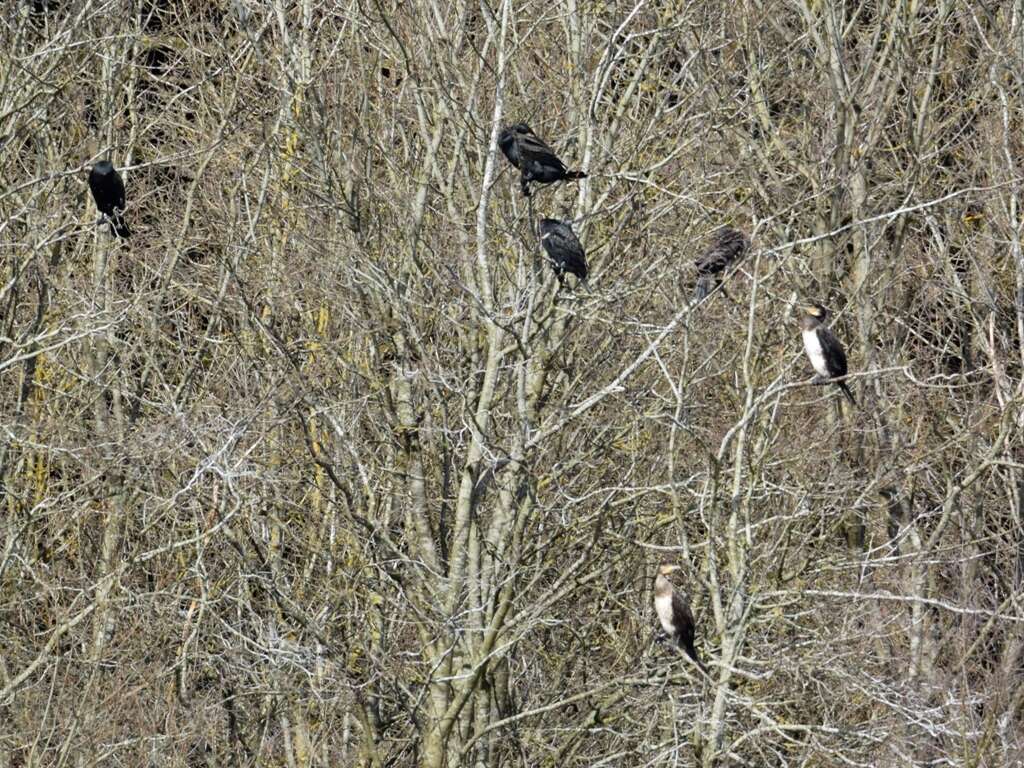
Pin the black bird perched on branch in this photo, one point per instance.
(673, 609)
(535, 160)
(564, 250)
(728, 246)
(108, 192)
(823, 348)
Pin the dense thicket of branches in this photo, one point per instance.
(321, 467)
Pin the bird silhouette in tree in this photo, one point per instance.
(536, 161)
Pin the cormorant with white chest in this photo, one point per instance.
(823, 348)
(673, 609)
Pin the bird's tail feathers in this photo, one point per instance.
(847, 392)
(691, 651)
(118, 225)
(703, 288)
(575, 174)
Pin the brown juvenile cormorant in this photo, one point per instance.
(728, 246)
(823, 348)
(535, 160)
(108, 192)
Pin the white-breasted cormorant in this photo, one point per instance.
(823, 348)
(535, 160)
(673, 609)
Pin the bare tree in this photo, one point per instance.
(324, 466)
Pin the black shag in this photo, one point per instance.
(823, 348)
(673, 609)
(728, 246)
(535, 160)
(108, 192)
(564, 250)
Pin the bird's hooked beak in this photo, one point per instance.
(667, 569)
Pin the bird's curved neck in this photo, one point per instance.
(662, 586)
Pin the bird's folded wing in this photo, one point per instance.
(835, 357)
(726, 249)
(713, 260)
(568, 246)
(532, 148)
(681, 607)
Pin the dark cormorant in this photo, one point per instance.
(823, 348)
(108, 192)
(673, 609)
(728, 246)
(535, 159)
(564, 250)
